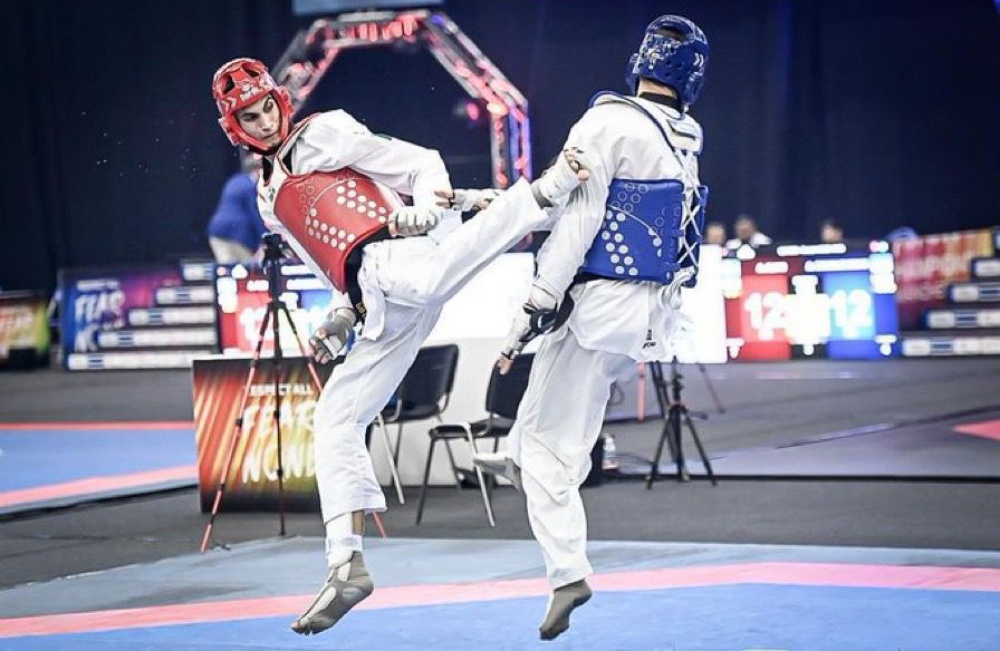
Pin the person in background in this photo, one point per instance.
(715, 233)
(746, 233)
(235, 228)
(831, 232)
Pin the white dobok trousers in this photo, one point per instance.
(409, 279)
(557, 425)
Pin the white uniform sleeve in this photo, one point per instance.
(574, 232)
(334, 139)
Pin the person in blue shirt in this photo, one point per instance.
(235, 229)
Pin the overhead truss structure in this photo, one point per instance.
(315, 48)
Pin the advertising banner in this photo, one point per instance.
(24, 330)
(925, 266)
(134, 317)
(251, 478)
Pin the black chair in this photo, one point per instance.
(423, 393)
(503, 396)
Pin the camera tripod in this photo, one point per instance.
(275, 307)
(676, 414)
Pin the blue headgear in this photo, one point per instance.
(679, 64)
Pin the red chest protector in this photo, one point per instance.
(332, 213)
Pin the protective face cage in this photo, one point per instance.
(679, 64)
(238, 84)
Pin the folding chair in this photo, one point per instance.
(503, 396)
(423, 393)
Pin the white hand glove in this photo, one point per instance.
(558, 181)
(414, 220)
(528, 323)
(465, 200)
(328, 340)
(518, 337)
(536, 317)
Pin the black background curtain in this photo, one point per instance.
(875, 113)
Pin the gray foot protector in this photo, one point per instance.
(346, 586)
(564, 601)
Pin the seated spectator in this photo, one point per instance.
(745, 228)
(830, 232)
(715, 233)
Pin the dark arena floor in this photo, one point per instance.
(857, 506)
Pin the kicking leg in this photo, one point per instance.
(552, 189)
(438, 273)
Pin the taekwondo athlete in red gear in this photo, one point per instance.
(625, 244)
(332, 189)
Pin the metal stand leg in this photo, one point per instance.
(711, 389)
(237, 435)
(272, 265)
(391, 457)
(677, 416)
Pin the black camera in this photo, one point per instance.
(273, 247)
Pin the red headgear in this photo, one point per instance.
(238, 84)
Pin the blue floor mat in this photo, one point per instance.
(718, 618)
(33, 458)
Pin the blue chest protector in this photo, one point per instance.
(648, 233)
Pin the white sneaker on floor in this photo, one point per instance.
(499, 464)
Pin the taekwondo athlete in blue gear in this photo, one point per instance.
(620, 252)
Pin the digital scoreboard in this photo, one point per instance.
(241, 300)
(811, 301)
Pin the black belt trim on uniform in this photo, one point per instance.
(586, 277)
(565, 308)
(353, 266)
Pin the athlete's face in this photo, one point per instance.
(262, 121)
